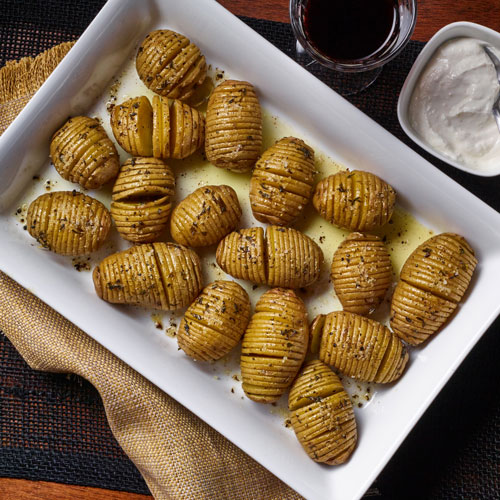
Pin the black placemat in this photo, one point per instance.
(53, 427)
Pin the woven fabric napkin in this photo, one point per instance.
(179, 456)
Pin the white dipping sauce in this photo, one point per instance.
(450, 108)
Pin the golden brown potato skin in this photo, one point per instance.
(215, 322)
(233, 138)
(162, 276)
(178, 129)
(293, 259)
(242, 255)
(132, 125)
(168, 129)
(282, 182)
(68, 223)
(322, 415)
(357, 200)
(433, 281)
(284, 258)
(205, 216)
(83, 153)
(274, 345)
(361, 273)
(170, 65)
(142, 199)
(361, 348)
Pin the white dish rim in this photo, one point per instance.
(417, 168)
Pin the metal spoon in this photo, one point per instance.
(496, 63)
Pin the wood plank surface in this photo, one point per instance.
(21, 489)
(432, 15)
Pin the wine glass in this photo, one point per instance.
(341, 50)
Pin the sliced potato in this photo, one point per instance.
(215, 322)
(362, 348)
(132, 125)
(233, 137)
(322, 415)
(83, 153)
(159, 276)
(142, 199)
(357, 200)
(434, 280)
(274, 345)
(68, 223)
(205, 216)
(282, 182)
(361, 273)
(170, 65)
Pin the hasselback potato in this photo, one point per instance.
(83, 153)
(282, 182)
(170, 65)
(322, 415)
(284, 258)
(68, 223)
(168, 129)
(274, 345)
(215, 322)
(361, 273)
(293, 259)
(233, 137)
(159, 275)
(142, 199)
(132, 125)
(205, 216)
(357, 200)
(359, 347)
(242, 255)
(433, 281)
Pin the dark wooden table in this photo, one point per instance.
(432, 15)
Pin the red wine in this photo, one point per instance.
(349, 29)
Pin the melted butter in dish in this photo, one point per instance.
(451, 106)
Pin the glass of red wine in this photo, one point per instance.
(354, 38)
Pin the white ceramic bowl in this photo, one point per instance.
(454, 30)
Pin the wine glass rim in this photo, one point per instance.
(354, 65)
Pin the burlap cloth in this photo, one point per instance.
(179, 456)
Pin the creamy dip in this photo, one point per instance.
(450, 108)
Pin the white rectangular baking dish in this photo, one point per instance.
(339, 130)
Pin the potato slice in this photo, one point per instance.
(362, 348)
(170, 65)
(242, 255)
(215, 322)
(159, 276)
(286, 258)
(417, 314)
(434, 280)
(233, 138)
(443, 266)
(132, 125)
(293, 259)
(361, 273)
(142, 199)
(68, 223)
(322, 415)
(274, 345)
(83, 153)
(205, 216)
(357, 200)
(161, 127)
(282, 182)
